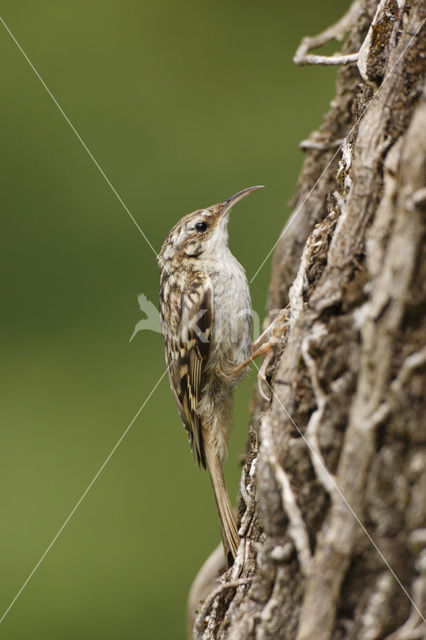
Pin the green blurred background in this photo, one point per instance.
(182, 104)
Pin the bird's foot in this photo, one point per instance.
(263, 346)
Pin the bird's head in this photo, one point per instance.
(201, 233)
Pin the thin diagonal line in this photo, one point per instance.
(318, 458)
(299, 208)
(80, 500)
(90, 154)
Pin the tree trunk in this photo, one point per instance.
(333, 507)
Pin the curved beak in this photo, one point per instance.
(228, 204)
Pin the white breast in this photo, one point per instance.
(231, 337)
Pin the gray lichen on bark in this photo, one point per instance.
(333, 509)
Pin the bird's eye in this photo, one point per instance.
(200, 226)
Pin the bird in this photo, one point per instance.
(206, 321)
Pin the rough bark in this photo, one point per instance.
(333, 507)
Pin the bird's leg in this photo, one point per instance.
(264, 344)
(256, 353)
(261, 338)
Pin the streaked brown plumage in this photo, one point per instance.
(205, 312)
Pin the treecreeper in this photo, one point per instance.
(206, 322)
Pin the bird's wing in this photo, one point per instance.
(187, 354)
